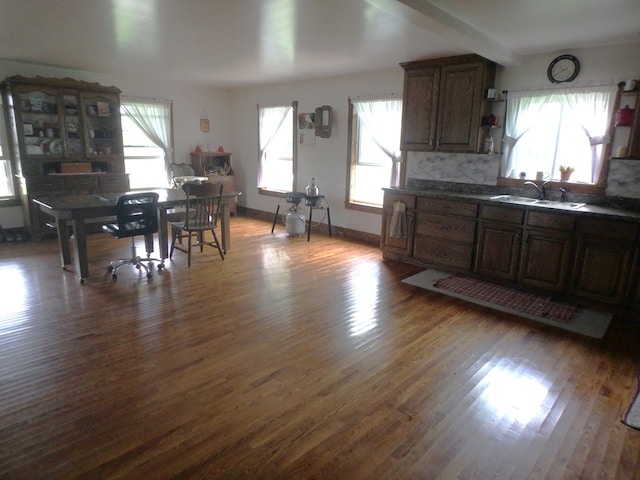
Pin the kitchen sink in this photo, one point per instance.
(534, 201)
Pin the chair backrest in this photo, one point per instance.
(137, 213)
(181, 170)
(203, 200)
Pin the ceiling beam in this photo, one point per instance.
(426, 15)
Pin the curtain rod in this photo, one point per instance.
(560, 88)
(146, 99)
(380, 96)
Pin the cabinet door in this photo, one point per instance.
(103, 133)
(460, 107)
(445, 241)
(545, 260)
(498, 247)
(400, 245)
(602, 269)
(420, 108)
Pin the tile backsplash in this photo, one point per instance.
(482, 169)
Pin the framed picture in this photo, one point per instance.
(103, 109)
(28, 128)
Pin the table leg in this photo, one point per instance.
(309, 229)
(225, 219)
(82, 261)
(163, 235)
(329, 220)
(275, 218)
(63, 242)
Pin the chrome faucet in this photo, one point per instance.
(542, 190)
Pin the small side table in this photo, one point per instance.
(311, 202)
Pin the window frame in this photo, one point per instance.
(294, 149)
(6, 157)
(597, 188)
(353, 159)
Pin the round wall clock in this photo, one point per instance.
(564, 68)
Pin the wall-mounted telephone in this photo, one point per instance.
(323, 121)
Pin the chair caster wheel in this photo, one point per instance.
(110, 268)
(114, 277)
(161, 267)
(137, 266)
(149, 275)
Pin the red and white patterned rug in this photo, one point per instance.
(507, 297)
(540, 309)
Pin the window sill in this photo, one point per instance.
(363, 208)
(9, 202)
(584, 188)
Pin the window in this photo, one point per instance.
(7, 191)
(374, 151)
(277, 159)
(546, 130)
(146, 134)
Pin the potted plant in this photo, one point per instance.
(565, 172)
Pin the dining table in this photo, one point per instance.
(78, 211)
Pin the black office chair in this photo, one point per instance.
(137, 214)
(203, 208)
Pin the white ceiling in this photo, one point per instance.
(231, 43)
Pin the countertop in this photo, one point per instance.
(486, 198)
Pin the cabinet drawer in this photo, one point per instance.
(113, 183)
(502, 214)
(608, 229)
(447, 206)
(456, 229)
(47, 183)
(551, 220)
(391, 197)
(444, 253)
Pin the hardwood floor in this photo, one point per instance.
(294, 360)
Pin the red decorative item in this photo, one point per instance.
(198, 149)
(220, 149)
(624, 117)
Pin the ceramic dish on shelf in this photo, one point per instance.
(55, 147)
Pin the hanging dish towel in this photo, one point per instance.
(398, 227)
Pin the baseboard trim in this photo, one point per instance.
(323, 228)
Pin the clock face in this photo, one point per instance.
(562, 69)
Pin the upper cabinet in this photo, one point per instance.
(57, 121)
(444, 102)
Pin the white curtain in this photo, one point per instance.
(591, 108)
(522, 111)
(154, 119)
(270, 120)
(381, 118)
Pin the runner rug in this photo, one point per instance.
(632, 418)
(541, 309)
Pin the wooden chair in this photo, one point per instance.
(203, 208)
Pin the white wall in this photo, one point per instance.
(326, 161)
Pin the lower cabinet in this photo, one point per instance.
(604, 260)
(445, 233)
(547, 249)
(499, 239)
(397, 244)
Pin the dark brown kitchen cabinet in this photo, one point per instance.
(398, 245)
(499, 240)
(604, 259)
(546, 250)
(445, 233)
(444, 102)
(66, 138)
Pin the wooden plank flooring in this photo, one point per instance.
(294, 360)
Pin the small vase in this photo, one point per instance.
(565, 175)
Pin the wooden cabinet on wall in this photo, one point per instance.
(217, 167)
(444, 102)
(66, 138)
(445, 233)
(398, 245)
(604, 260)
